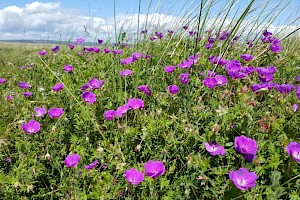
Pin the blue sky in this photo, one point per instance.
(21, 19)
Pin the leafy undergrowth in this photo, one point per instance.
(157, 122)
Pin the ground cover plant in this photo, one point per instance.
(185, 112)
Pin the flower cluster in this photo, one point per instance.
(132, 104)
(153, 169)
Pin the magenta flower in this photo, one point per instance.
(208, 45)
(262, 87)
(170, 69)
(125, 72)
(247, 147)
(266, 74)
(133, 176)
(31, 127)
(58, 87)
(117, 51)
(71, 46)
(243, 179)
(185, 64)
(106, 50)
(68, 68)
(295, 107)
(210, 82)
(293, 149)
(122, 110)
(217, 60)
(214, 148)
(89, 97)
(2, 81)
(95, 83)
(221, 80)
(80, 40)
(184, 78)
(55, 49)
(55, 112)
(92, 165)
(152, 38)
(100, 41)
(159, 35)
(246, 57)
(24, 85)
(154, 169)
(40, 112)
(9, 98)
(42, 52)
(145, 89)
(72, 160)
(224, 35)
(173, 89)
(298, 92)
(135, 103)
(27, 94)
(285, 88)
(109, 114)
(275, 48)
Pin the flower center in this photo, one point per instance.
(241, 182)
(296, 154)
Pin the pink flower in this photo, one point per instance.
(31, 127)
(55, 112)
(154, 169)
(72, 160)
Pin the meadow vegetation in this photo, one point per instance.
(185, 113)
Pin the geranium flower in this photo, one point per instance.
(89, 97)
(295, 107)
(55, 49)
(170, 69)
(80, 40)
(92, 165)
(154, 169)
(247, 147)
(58, 87)
(109, 114)
(293, 149)
(243, 179)
(31, 127)
(2, 81)
(275, 48)
(42, 52)
(173, 89)
(246, 57)
(72, 160)
(221, 80)
(125, 72)
(95, 83)
(285, 88)
(145, 89)
(55, 112)
(68, 68)
(121, 110)
(100, 41)
(24, 85)
(71, 46)
(106, 50)
(184, 78)
(135, 103)
(133, 176)
(39, 112)
(214, 148)
(27, 94)
(298, 92)
(210, 82)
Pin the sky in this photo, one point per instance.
(92, 19)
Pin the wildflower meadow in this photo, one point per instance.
(197, 110)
